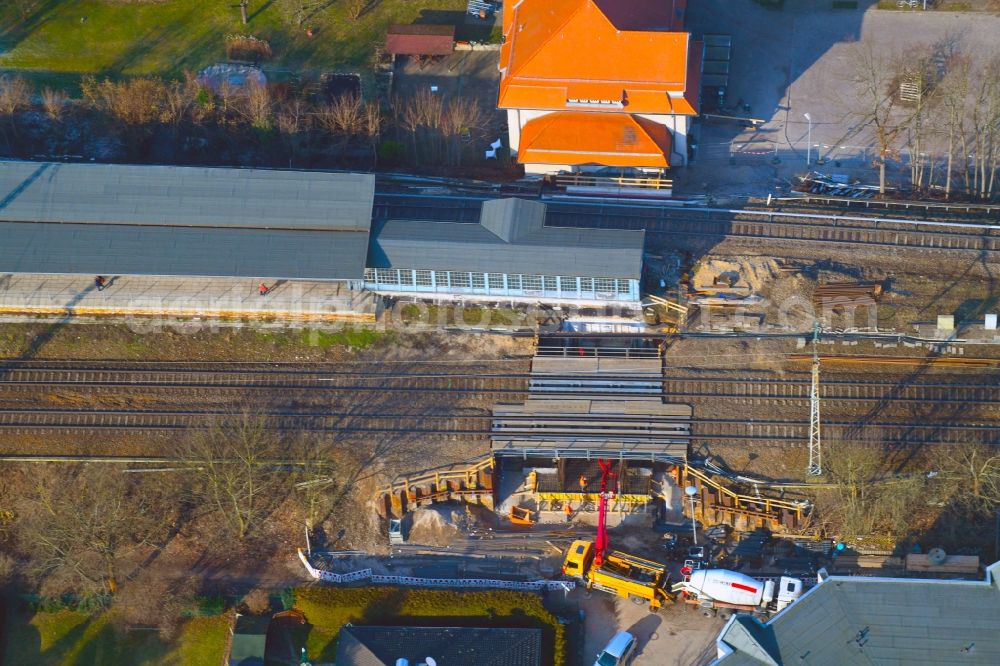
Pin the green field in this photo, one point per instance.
(69, 638)
(61, 40)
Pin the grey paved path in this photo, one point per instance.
(22, 294)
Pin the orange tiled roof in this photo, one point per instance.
(588, 55)
(609, 139)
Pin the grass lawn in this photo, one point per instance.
(68, 638)
(52, 44)
(327, 609)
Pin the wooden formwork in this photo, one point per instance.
(720, 504)
(471, 482)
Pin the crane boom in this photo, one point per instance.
(601, 544)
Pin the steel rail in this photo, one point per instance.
(775, 225)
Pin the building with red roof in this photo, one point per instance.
(596, 83)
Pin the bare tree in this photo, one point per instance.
(78, 527)
(873, 77)
(373, 127)
(257, 107)
(53, 101)
(344, 117)
(15, 95)
(953, 93)
(975, 472)
(134, 102)
(854, 471)
(294, 120)
(355, 8)
(463, 117)
(234, 470)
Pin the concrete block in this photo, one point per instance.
(990, 322)
(946, 322)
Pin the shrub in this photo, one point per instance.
(247, 47)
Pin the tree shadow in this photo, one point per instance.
(14, 33)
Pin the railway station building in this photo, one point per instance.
(593, 84)
(189, 241)
(511, 255)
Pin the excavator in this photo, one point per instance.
(613, 571)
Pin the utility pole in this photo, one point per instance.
(243, 11)
(815, 451)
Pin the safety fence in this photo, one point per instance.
(413, 581)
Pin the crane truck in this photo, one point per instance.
(722, 592)
(615, 572)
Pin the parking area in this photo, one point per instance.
(677, 635)
(786, 63)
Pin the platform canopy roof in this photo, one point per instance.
(512, 238)
(183, 221)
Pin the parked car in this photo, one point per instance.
(619, 651)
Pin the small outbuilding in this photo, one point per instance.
(420, 40)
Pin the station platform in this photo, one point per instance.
(29, 295)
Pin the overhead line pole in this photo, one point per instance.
(815, 449)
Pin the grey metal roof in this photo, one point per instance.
(183, 221)
(185, 196)
(107, 249)
(524, 246)
(874, 621)
(449, 646)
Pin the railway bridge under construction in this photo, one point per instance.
(591, 398)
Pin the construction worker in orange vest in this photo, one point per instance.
(569, 512)
(583, 483)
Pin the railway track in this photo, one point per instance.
(836, 390)
(31, 379)
(793, 432)
(26, 380)
(816, 227)
(447, 419)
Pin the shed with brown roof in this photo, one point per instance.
(420, 39)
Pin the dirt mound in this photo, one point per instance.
(752, 272)
(442, 524)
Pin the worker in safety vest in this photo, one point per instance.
(569, 512)
(583, 483)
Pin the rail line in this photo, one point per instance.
(447, 419)
(478, 425)
(25, 380)
(821, 227)
(840, 390)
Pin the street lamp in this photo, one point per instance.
(809, 139)
(691, 491)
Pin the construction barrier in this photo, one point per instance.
(481, 583)
(329, 576)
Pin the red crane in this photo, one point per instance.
(601, 545)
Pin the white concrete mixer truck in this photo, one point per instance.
(724, 592)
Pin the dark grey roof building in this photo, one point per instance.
(511, 253)
(510, 238)
(448, 646)
(848, 620)
(183, 221)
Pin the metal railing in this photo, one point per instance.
(583, 180)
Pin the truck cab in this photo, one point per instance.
(789, 589)
(620, 574)
(578, 559)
